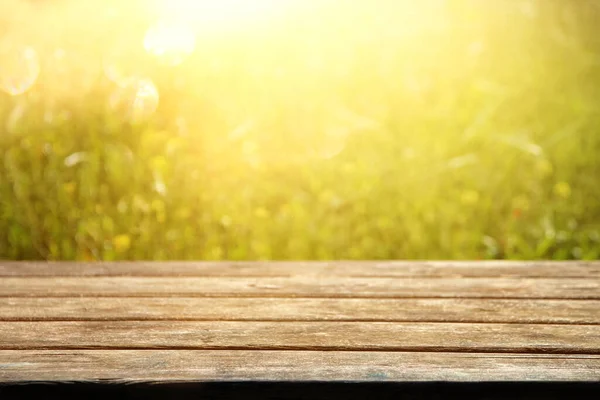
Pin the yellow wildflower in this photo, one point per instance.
(562, 189)
(121, 243)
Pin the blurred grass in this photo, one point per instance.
(455, 130)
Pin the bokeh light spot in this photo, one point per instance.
(124, 62)
(137, 98)
(331, 143)
(171, 43)
(19, 69)
(71, 73)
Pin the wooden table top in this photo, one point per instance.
(300, 321)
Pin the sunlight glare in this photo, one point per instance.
(171, 42)
(222, 14)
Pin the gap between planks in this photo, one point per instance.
(302, 286)
(128, 366)
(376, 269)
(263, 309)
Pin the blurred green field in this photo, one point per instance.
(447, 130)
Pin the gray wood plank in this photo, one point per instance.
(282, 309)
(215, 365)
(302, 286)
(525, 269)
(333, 336)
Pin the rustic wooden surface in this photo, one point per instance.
(300, 321)
(531, 311)
(241, 365)
(302, 286)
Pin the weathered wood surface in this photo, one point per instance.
(347, 321)
(302, 286)
(355, 336)
(531, 311)
(243, 365)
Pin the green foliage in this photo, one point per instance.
(480, 140)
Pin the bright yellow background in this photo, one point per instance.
(299, 129)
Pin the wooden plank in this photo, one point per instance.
(215, 365)
(338, 336)
(256, 309)
(301, 286)
(529, 269)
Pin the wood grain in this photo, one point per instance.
(333, 336)
(302, 286)
(216, 365)
(378, 269)
(281, 309)
(296, 321)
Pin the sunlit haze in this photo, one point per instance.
(247, 129)
(224, 14)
